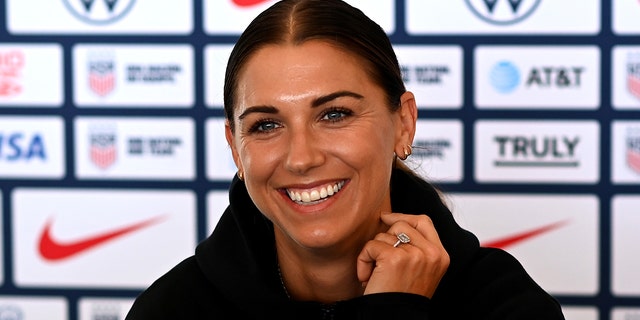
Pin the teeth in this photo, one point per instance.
(316, 194)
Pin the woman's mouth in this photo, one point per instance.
(309, 196)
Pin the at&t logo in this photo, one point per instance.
(505, 77)
(503, 12)
(99, 11)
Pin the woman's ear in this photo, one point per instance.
(408, 115)
(234, 150)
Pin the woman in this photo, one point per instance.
(324, 220)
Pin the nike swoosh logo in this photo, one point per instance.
(248, 3)
(520, 237)
(54, 250)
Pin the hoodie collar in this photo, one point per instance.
(239, 257)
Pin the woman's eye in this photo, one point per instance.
(264, 126)
(335, 115)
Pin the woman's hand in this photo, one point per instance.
(414, 267)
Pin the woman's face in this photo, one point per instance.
(315, 140)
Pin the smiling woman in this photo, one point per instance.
(324, 221)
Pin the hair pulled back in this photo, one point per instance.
(334, 21)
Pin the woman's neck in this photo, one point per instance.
(325, 275)
(315, 280)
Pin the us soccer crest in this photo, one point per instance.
(102, 147)
(11, 65)
(633, 149)
(633, 74)
(102, 78)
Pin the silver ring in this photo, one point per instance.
(402, 238)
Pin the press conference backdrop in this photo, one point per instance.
(111, 127)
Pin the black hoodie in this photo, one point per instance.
(234, 274)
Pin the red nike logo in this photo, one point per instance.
(522, 236)
(248, 3)
(54, 250)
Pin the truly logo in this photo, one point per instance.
(532, 151)
(537, 151)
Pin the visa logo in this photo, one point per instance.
(17, 146)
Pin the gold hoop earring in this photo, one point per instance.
(240, 175)
(406, 150)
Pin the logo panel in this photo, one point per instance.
(132, 76)
(220, 165)
(625, 313)
(32, 147)
(625, 155)
(624, 245)
(217, 202)
(31, 75)
(438, 150)
(537, 151)
(99, 17)
(215, 61)
(625, 77)
(521, 77)
(135, 148)
(535, 228)
(502, 17)
(88, 238)
(625, 17)
(231, 17)
(433, 74)
(582, 313)
(25, 307)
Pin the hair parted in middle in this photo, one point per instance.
(295, 22)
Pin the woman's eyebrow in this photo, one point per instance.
(316, 103)
(258, 109)
(332, 96)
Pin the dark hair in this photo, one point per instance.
(333, 21)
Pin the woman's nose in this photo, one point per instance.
(304, 151)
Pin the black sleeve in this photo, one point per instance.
(495, 286)
(390, 305)
(181, 293)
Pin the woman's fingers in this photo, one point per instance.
(415, 267)
(422, 223)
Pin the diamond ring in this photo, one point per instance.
(402, 238)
